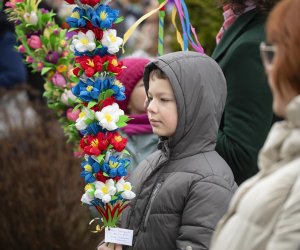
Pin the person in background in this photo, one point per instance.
(141, 140)
(184, 188)
(248, 114)
(265, 212)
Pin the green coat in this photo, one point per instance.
(248, 114)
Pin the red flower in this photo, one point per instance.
(89, 26)
(90, 2)
(117, 141)
(113, 65)
(70, 1)
(76, 71)
(90, 65)
(101, 177)
(94, 145)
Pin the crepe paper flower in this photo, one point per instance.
(61, 68)
(52, 57)
(85, 42)
(68, 98)
(21, 49)
(31, 18)
(29, 59)
(111, 41)
(102, 16)
(105, 191)
(115, 167)
(89, 26)
(106, 102)
(76, 19)
(119, 90)
(70, 1)
(117, 141)
(90, 65)
(113, 65)
(12, 3)
(85, 117)
(88, 91)
(90, 2)
(73, 115)
(92, 129)
(39, 66)
(34, 42)
(94, 145)
(109, 116)
(125, 189)
(88, 196)
(59, 80)
(89, 169)
(101, 177)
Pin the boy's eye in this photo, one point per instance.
(164, 100)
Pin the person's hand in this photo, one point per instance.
(105, 247)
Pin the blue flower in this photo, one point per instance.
(89, 170)
(76, 19)
(115, 167)
(88, 91)
(103, 16)
(119, 91)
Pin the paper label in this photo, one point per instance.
(118, 235)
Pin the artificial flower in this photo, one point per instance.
(109, 116)
(90, 168)
(115, 167)
(105, 191)
(103, 16)
(73, 115)
(52, 57)
(113, 65)
(67, 97)
(13, 3)
(88, 91)
(90, 2)
(88, 196)
(117, 141)
(89, 26)
(111, 41)
(31, 18)
(76, 19)
(21, 49)
(85, 116)
(70, 1)
(84, 42)
(125, 188)
(94, 145)
(34, 42)
(29, 59)
(61, 68)
(58, 80)
(39, 66)
(90, 65)
(119, 90)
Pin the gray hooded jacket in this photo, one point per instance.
(183, 189)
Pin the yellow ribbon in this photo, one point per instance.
(98, 228)
(133, 27)
(179, 37)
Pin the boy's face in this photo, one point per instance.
(162, 109)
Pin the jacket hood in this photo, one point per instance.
(200, 90)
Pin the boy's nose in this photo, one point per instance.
(152, 107)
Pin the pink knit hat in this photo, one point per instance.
(130, 76)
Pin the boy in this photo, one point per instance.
(184, 188)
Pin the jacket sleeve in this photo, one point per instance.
(286, 234)
(206, 203)
(248, 110)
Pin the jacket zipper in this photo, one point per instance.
(154, 193)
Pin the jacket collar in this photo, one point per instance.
(233, 32)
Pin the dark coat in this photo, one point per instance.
(248, 114)
(183, 189)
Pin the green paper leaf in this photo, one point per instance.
(119, 19)
(100, 158)
(45, 70)
(92, 104)
(77, 106)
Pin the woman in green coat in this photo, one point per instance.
(248, 115)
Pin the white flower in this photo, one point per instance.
(125, 188)
(88, 196)
(31, 18)
(66, 96)
(84, 115)
(84, 42)
(86, 199)
(111, 41)
(108, 116)
(104, 191)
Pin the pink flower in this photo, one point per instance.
(21, 49)
(34, 42)
(58, 80)
(12, 3)
(40, 66)
(73, 115)
(29, 59)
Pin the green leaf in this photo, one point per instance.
(121, 124)
(79, 105)
(45, 70)
(125, 152)
(100, 158)
(92, 104)
(119, 19)
(108, 93)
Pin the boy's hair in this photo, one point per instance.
(158, 73)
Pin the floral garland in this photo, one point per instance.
(46, 49)
(104, 166)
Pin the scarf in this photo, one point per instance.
(139, 125)
(230, 17)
